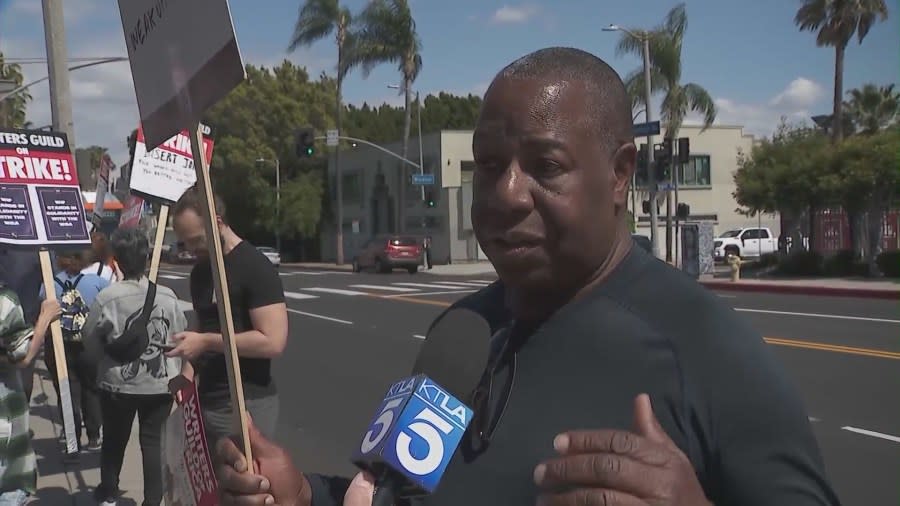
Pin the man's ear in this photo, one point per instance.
(623, 165)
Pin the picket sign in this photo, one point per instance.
(188, 476)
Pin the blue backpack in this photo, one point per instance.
(74, 309)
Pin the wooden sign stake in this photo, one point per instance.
(161, 222)
(220, 284)
(59, 354)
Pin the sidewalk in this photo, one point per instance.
(460, 269)
(840, 287)
(61, 483)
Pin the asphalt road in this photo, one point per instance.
(353, 334)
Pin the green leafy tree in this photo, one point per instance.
(666, 41)
(873, 108)
(835, 23)
(88, 163)
(254, 126)
(785, 174)
(13, 109)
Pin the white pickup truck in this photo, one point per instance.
(745, 242)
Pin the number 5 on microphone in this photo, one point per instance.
(415, 433)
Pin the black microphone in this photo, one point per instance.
(422, 418)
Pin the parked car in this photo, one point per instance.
(177, 254)
(385, 253)
(745, 242)
(272, 254)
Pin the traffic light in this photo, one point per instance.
(306, 142)
(429, 199)
(684, 150)
(662, 156)
(640, 172)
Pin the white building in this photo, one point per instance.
(375, 182)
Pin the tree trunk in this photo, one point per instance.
(875, 225)
(837, 119)
(854, 227)
(338, 175)
(407, 122)
(811, 237)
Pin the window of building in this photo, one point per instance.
(696, 172)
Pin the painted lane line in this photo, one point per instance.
(868, 352)
(185, 306)
(385, 288)
(423, 285)
(817, 315)
(170, 276)
(418, 336)
(406, 295)
(335, 291)
(299, 296)
(480, 282)
(872, 433)
(321, 317)
(460, 283)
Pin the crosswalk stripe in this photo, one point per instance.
(170, 276)
(460, 283)
(385, 288)
(299, 296)
(480, 282)
(423, 285)
(335, 291)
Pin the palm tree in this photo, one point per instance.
(665, 77)
(836, 21)
(318, 19)
(386, 32)
(873, 108)
(12, 109)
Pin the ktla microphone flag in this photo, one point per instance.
(40, 200)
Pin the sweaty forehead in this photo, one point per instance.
(515, 108)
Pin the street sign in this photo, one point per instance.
(665, 187)
(645, 129)
(331, 138)
(423, 179)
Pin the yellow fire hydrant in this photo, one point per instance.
(734, 262)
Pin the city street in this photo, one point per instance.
(352, 334)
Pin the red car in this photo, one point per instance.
(385, 253)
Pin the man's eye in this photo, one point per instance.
(545, 167)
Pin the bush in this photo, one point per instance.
(768, 260)
(841, 263)
(804, 263)
(889, 263)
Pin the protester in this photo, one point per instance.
(138, 386)
(103, 262)
(587, 325)
(260, 321)
(20, 270)
(76, 292)
(20, 343)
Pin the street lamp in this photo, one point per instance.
(648, 117)
(277, 201)
(419, 121)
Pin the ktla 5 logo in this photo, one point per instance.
(421, 426)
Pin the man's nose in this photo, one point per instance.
(513, 190)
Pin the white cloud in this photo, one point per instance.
(797, 102)
(514, 14)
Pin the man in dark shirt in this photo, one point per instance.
(681, 401)
(260, 322)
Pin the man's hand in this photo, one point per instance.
(619, 468)
(273, 479)
(361, 490)
(177, 384)
(189, 345)
(50, 310)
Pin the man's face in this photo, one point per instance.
(545, 188)
(190, 230)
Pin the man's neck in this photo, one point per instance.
(230, 240)
(538, 305)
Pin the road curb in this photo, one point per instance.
(330, 268)
(832, 291)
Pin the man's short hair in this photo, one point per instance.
(192, 200)
(608, 108)
(131, 249)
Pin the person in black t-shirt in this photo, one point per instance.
(260, 322)
(678, 401)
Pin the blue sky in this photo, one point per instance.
(749, 55)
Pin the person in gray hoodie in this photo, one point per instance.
(139, 386)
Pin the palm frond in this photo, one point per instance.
(676, 22)
(316, 20)
(635, 86)
(700, 101)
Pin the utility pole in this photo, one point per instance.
(669, 205)
(57, 58)
(651, 167)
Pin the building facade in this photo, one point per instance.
(380, 198)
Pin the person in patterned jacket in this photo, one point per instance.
(20, 343)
